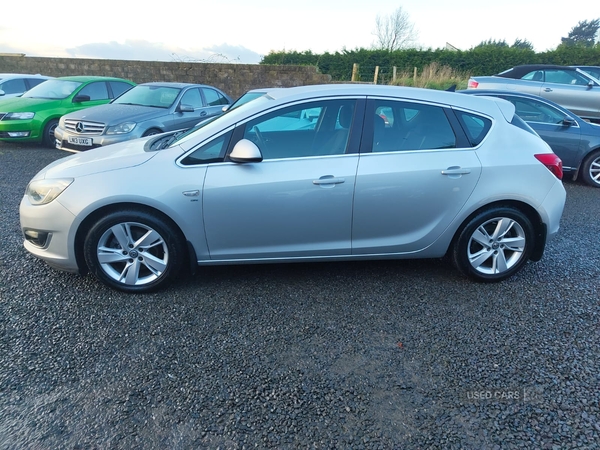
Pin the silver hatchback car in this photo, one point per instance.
(310, 173)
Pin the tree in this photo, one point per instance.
(394, 31)
(522, 44)
(584, 33)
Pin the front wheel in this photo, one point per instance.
(590, 169)
(133, 251)
(48, 138)
(494, 244)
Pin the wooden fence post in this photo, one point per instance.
(376, 74)
(355, 72)
(394, 69)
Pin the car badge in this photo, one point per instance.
(80, 127)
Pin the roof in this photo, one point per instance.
(86, 78)
(172, 84)
(520, 71)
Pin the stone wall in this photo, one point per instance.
(234, 79)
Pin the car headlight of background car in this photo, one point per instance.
(41, 192)
(122, 128)
(19, 116)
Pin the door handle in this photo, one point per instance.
(547, 90)
(456, 170)
(203, 113)
(328, 180)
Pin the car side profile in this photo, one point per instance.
(570, 87)
(303, 174)
(574, 140)
(145, 110)
(16, 84)
(34, 116)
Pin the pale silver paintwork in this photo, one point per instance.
(405, 204)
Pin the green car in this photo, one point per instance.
(34, 116)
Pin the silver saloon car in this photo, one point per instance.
(303, 174)
(145, 110)
(570, 87)
(16, 84)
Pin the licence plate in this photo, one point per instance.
(80, 141)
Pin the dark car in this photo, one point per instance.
(145, 110)
(570, 87)
(575, 141)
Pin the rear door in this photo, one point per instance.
(413, 178)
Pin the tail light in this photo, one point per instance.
(552, 162)
(472, 84)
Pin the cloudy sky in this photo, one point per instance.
(242, 31)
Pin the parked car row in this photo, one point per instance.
(83, 112)
(575, 91)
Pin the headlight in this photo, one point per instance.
(121, 128)
(19, 116)
(41, 192)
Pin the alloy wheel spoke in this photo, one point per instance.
(108, 255)
(480, 257)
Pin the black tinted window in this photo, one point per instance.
(118, 87)
(213, 151)
(476, 127)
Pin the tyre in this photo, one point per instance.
(590, 169)
(494, 244)
(134, 251)
(151, 132)
(48, 139)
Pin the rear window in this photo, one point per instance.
(475, 127)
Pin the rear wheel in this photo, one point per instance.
(134, 251)
(494, 244)
(590, 169)
(48, 137)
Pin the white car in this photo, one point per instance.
(446, 174)
(16, 84)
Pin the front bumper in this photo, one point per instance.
(97, 140)
(53, 226)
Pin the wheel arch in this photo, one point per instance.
(94, 216)
(533, 216)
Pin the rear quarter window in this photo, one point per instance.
(475, 127)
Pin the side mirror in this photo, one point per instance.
(2, 93)
(185, 108)
(81, 98)
(569, 121)
(225, 108)
(245, 151)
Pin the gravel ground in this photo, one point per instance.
(343, 355)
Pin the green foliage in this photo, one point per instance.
(480, 60)
(583, 34)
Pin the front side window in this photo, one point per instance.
(192, 98)
(96, 91)
(317, 128)
(565, 77)
(401, 126)
(213, 151)
(15, 86)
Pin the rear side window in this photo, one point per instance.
(475, 127)
(213, 98)
(403, 126)
(118, 87)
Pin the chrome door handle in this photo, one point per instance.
(547, 90)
